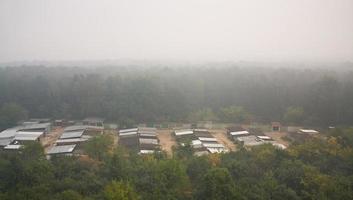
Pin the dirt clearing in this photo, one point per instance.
(166, 140)
(50, 138)
(277, 136)
(221, 136)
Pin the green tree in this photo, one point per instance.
(98, 147)
(234, 114)
(294, 115)
(117, 190)
(205, 114)
(68, 195)
(217, 184)
(10, 114)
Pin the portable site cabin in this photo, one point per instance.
(208, 139)
(148, 141)
(250, 140)
(308, 131)
(5, 141)
(264, 138)
(37, 127)
(196, 144)
(61, 150)
(13, 147)
(23, 136)
(182, 133)
(235, 134)
(6, 136)
(202, 133)
(69, 141)
(129, 138)
(72, 134)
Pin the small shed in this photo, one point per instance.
(276, 126)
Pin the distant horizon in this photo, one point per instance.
(169, 61)
(183, 31)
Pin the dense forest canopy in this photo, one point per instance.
(312, 96)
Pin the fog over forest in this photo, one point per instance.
(176, 99)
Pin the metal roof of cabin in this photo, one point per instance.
(308, 131)
(143, 151)
(62, 149)
(13, 147)
(9, 133)
(216, 150)
(72, 134)
(72, 140)
(264, 137)
(148, 141)
(183, 132)
(208, 139)
(128, 130)
(236, 133)
(127, 134)
(5, 141)
(27, 136)
(75, 128)
(212, 145)
(34, 126)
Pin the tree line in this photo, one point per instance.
(157, 94)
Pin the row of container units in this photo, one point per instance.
(143, 140)
(201, 140)
(251, 137)
(72, 138)
(14, 138)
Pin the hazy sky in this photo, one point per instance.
(253, 30)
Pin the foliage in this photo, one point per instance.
(119, 191)
(217, 184)
(205, 114)
(145, 94)
(234, 114)
(10, 114)
(99, 146)
(294, 115)
(319, 168)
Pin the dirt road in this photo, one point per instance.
(166, 139)
(50, 138)
(221, 136)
